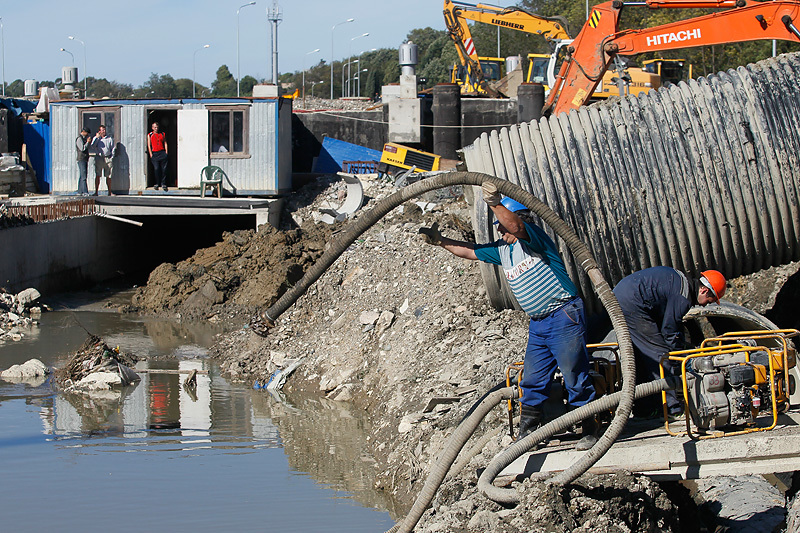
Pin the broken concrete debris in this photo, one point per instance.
(97, 366)
(33, 372)
(18, 313)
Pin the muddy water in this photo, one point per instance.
(156, 457)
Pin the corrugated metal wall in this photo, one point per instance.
(698, 175)
(267, 171)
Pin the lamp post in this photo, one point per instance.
(3, 44)
(359, 80)
(73, 38)
(238, 72)
(348, 77)
(304, 73)
(194, 67)
(313, 83)
(350, 54)
(70, 53)
(333, 28)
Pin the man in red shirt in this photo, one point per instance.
(157, 148)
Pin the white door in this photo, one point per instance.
(192, 146)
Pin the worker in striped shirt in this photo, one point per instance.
(540, 283)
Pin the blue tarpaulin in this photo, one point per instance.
(334, 152)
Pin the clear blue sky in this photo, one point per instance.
(126, 40)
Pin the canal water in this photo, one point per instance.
(158, 457)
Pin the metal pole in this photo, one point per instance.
(194, 67)
(350, 54)
(304, 74)
(70, 54)
(3, 43)
(85, 90)
(333, 28)
(238, 72)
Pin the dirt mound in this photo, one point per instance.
(246, 270)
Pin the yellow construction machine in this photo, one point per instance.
(476, 75)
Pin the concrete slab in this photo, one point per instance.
(646, 448)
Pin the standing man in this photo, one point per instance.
(82, 144)
(541, 285)
(103, 149)
(654, 302)
(157, 148)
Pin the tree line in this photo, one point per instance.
(437, 56)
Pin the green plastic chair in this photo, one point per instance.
(212, 176)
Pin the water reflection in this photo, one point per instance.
(229, 427)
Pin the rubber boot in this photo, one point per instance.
(530, 419)
(589, 434)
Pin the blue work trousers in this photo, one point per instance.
(83, 171)
(558, 341)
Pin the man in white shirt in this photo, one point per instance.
(103, 149)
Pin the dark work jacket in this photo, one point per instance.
(662, 294)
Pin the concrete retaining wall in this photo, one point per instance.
(64, 254)
(371, 128)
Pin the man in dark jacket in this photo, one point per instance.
(654, 302)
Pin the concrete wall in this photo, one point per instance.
(371, 129)
(364, 128)
(68, 253)
(73, 254)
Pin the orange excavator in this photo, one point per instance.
(600, 41)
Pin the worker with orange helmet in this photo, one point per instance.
(654, 302)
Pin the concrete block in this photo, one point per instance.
(405, 118)
(265, 91)
(408, 86)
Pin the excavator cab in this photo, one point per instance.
(670, 70)
(537, 68)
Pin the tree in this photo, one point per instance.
(15, 89)
(246, 85)
(225, 84)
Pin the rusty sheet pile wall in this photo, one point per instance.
(698, 175)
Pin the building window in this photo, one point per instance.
(229, 132)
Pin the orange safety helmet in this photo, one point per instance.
(714, 280)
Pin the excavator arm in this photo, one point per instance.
(599, 42)
(456, 15)
(513, 17)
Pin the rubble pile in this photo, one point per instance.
(18, 313)
(96, 366)
(323, 104)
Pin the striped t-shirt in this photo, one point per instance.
(534, 270)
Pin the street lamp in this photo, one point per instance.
(238, 73)
(348, 77)
(313, 83)
(194, 67)
(304, 74)
(73, 38)
(350, 54)
(3, 44)
(70, 53)
(333, 28)
(359, 80)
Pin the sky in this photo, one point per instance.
(127, 40)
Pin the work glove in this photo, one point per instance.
(431, 235)
(490, 194)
